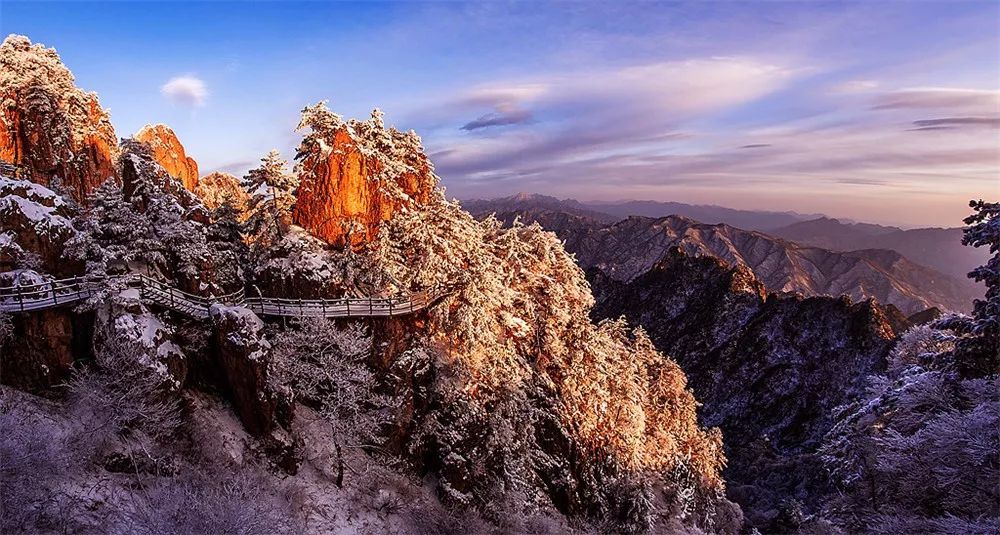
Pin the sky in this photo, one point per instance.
(885, 112)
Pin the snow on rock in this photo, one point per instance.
(125, 316)
(35, 224)
(244, 355)
(169, 153)
(58, 133)
(357, 174)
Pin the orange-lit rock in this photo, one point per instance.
(214, 188)
(356, 175)
(59, 134)
(169, 153)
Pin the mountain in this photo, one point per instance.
(60, 134)
(349, 185)
(348, 351)
(770, 369)
(169, 153)
(937, 248)
(748, 219)
(628, 248)
(533, 204)
(495, 405)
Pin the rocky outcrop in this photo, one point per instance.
(770, 369)
(243, 354)
(169, 153)
(39, 352)
(124, 317)
(356, 175)
(35, 224)
(59, 134)
(144, 178)
(215, 188)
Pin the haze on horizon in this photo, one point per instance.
(881, 112)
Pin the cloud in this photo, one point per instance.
(956, 122)
(855, 86)
(186, 90)
(498, 118)
(576, 115)
(755, 146)
(984, 101)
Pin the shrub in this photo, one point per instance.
(122, 396)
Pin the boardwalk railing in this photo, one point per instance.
(38, 296)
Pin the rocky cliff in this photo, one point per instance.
(58, 133)
(169, 153)
(770, 369)
(215, 188)
(355, 175)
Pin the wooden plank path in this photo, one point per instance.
(49, 294)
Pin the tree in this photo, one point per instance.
(225, 240)
(272, 195)
(977, 352)
(325, 367)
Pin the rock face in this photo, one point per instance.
(169, 153)
(35, 224)
(39, 353)
(214, 188)
(356, 175)
(243, 354)
(769, 369)
(56, 132)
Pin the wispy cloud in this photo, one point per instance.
(187, 90)
(940, 98)
(498, 118)
(957, 122)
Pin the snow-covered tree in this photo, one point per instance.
(325, 366)
(272, 195)
(977, 351)
(920, 450)
(113, 236)
(229, 250)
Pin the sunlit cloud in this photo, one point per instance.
(185, 90)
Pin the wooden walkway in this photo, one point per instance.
(49, 294)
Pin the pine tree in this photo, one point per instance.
(272, 195)
(225, 240)
(977, 350)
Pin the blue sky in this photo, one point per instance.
(877, 111)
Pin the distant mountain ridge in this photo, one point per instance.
(629, 248)
(748, 219)
(937, 248)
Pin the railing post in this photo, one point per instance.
(390, 307)
(347, 300)
(55, 299)
(371, 310)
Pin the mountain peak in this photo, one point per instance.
(169, 153)
(357, 174)
(55, 131)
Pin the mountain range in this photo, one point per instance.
(788, 259)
